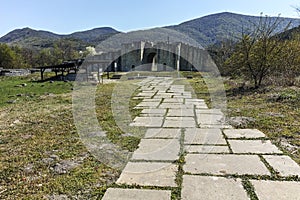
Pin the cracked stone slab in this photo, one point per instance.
(136, 194)
(212, 188)
(219, 164)
(179, 122)
(244, 133)
(270, 190)
(162, 133)
(253, 146)
(199, 104)
(147, 121)
(206, 149)
(204, 136)
(285, 165)
(181, 112)
(203, 119)
(157, 149)
(149, 174)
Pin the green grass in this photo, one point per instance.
(40, 125)
(11, 88)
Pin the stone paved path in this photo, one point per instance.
(188, 148)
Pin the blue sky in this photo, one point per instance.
(66, 16)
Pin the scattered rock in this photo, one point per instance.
(127, 135)
(64, 166)
(241, 121)
(12, 101)
(29, 169)
(23, 84)
(56, 197)
(51, 81)
(47, 161)
(285, 144)
(15, 122)
(55, 157)
(272, 114)
(26, 136)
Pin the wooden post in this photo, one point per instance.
(42, 73)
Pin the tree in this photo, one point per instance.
(288, 66)
(65, 49)
(7, 57)
(220, 53)
(256, 53)
(45, 57)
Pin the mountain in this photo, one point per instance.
(214, 28)
(31, 38)
(94, 34)
(207, 30)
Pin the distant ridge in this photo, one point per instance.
(213, 28)
(207, 30)
(28, 37)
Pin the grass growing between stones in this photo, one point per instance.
(275, 110)
(42, 155)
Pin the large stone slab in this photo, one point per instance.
(150, 100)
(203, 136)
(208, 119)
(224, 164)
(147, 104)
(194, 101)
(212, 188)
(173, 100)
(209, 111)
(147, 121)
(153, 111)
(145, 94)
(253, 146)
(284, 165)
(186, 96)
(149, 174)
(171, 105)
(157, 149)
(181, 113)
(206, 149)
(179, 122)
(136, 194)
(199, 103)
(163, 133)
(220, 126)
(244, 133)
(281, 190)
